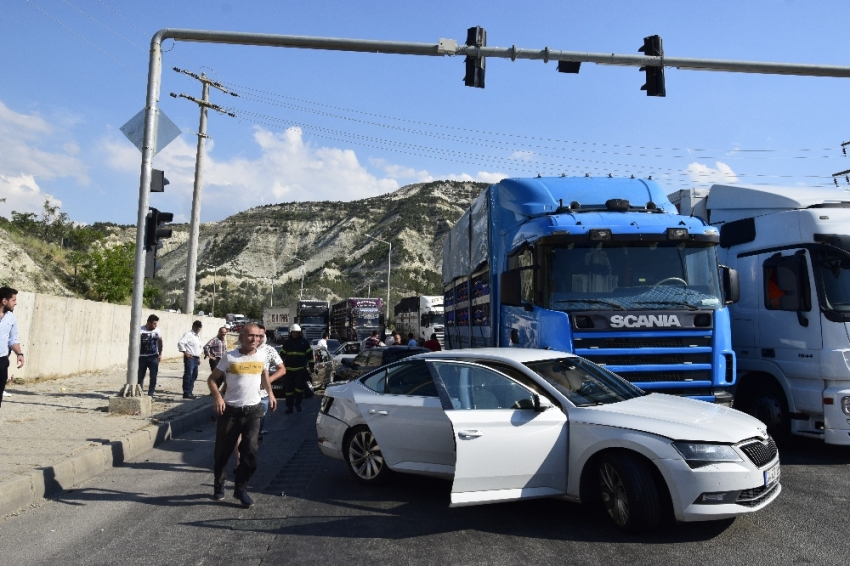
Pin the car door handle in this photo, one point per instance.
(374, 412)
(469, 433)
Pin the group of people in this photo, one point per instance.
(240, 383)
(395, 339)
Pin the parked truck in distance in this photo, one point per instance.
(275, 316)
(601, 267)
(791, 247)
(233, 319)
(355, 319)
(421, 315)
(311, 316)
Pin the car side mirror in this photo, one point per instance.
(541, 403)
(510, 288)
(731, 284)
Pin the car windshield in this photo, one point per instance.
(832, 270)
(632, 276)
(584, 383)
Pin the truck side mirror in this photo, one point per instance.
(731, 284)
(510, 288)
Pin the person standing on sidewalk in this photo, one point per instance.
(8, 335)
(190, 345)
(215, 349)
(297, 352)
(150, 352)
(239, 411)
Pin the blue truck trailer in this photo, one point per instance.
(604, 268)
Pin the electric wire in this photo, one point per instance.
(104, 26)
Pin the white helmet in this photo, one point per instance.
(295, 328)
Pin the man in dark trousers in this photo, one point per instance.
(8, 335)
(296, 353)
(239, 410)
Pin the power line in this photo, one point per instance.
(104, 26)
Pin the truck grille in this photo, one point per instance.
(659, 376)
(760, 453)
(651, 359)
(659, 342)
(754, 497)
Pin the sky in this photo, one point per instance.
(321, 125)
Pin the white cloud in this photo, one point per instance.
(480, 177)
(22, 194)
(523, 155)
(705, 174)
(24, 138)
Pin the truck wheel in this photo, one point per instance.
(767, 402)
(629, 493)
(364, 458)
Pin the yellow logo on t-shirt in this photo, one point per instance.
(245, 368)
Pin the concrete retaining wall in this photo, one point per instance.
(62, 337)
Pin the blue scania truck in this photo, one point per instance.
(605, 268)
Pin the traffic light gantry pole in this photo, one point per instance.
(569, 61)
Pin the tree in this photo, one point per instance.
(109, 273)
(51, 226)
(80, 240)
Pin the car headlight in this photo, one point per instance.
(845, 405)
(698, 455)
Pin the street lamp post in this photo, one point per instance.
(389, 258)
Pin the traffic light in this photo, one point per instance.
(154, 234)
(475, 37)
(158, 181)
(654, 75)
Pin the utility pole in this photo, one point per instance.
(195, 223)
(389, 259)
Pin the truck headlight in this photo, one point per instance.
(698, 455)
(845, 405)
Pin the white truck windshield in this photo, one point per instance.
(632, 276)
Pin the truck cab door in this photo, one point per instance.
(505, 448)
(790, 325)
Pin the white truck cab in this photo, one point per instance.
(791, 327)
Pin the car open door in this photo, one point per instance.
(507, 446)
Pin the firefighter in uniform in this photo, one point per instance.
(296, 353)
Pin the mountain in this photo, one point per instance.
(248, 251)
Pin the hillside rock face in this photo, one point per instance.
(255, 247)
(19, 271)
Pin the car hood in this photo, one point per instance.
(676, 418)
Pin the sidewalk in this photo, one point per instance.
(58, 433)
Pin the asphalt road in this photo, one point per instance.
(158, 510)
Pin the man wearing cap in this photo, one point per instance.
(296, 353)
(190, 346)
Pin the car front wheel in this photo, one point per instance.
(364, 458)
(629, 492)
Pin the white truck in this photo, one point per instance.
(422, 315)
(791, 328)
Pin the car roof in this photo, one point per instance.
(518, 355)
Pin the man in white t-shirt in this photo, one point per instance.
(244, 371)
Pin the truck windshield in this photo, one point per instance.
(833, 272)
(436, 319)
(632, 276)
(370, 321)
(312, 319)
(584, 383)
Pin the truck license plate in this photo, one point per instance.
(771, 475)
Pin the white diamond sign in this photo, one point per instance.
(167, 131)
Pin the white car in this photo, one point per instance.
(507, 424)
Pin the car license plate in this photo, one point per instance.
(771, 475)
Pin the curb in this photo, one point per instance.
(23, 490)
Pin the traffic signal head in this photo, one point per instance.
(475, 37)
(158, 181)
(153, 230)
(654, 86)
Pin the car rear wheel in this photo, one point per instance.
(629, 492)
(364, 458)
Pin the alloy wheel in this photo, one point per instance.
(365, 456)
(614, 494)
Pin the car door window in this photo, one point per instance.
(376, 382)
(471, 386)
(361, 359)
(411, 378)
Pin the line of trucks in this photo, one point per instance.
(737, 295)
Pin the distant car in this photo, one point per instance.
(332, 343)
(514, 423)
(321, 369)
(347, 351)
(373, 358)
(281, 333)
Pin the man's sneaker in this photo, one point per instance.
(243, 498)
(298, 408)
(189, 396)
(218, 494)
(288, 410)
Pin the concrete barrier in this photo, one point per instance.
(63, 337)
